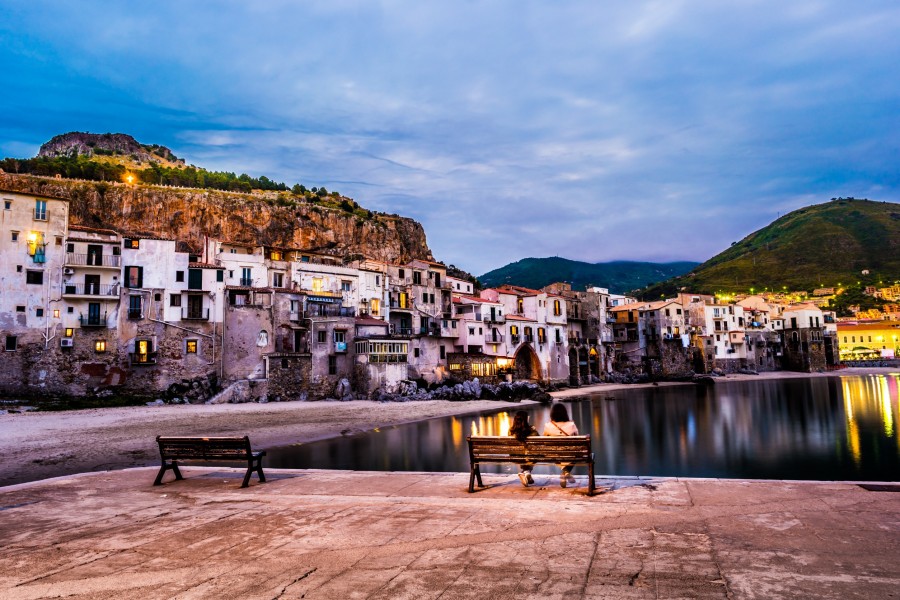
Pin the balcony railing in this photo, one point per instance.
(295, 316)
(196, 314)
(39, 215)
(529, 339)
(496, 338)
(90, 289)
(93, 260)
(143, 359)
(92, 320)
(494, 319)
(329, 310)
(135, 314)
(514, 339)
(246, 281)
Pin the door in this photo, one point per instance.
(92, 284)
(95, 255)
(93, 313)
(195, 306)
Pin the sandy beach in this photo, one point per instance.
(38, 445)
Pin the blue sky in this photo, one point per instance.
(597, 131)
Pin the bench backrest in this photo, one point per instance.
(571, 448)
(204, 447)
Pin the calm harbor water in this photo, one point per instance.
(828, 428)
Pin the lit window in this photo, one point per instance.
(69, 332)
(100, 346)
(56, 313)
(191, 346)
(374, 306)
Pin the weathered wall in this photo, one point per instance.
(191, 214)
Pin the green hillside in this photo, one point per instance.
(818, 246)
(618, 276)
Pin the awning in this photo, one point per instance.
(327, 299)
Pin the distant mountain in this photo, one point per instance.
(618, 276)
(818, 246)
(78, 143)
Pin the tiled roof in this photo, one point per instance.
(519, 318)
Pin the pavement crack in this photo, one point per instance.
(587, 575)
(301, 578)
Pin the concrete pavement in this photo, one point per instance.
(339, 534)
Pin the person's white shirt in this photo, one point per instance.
(560, 428)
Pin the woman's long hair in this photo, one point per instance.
(559, 413)
(520, 428)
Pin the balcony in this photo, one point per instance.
(93, 260)
(90, 289)
(314, 310)
(39, 215)
(246, 282)
(529, 339)
(340, 347)
(135, 314)
(404, 331)
(514, 339)
(574, 341)
(295, 316)
(495, 338)
(143, 359)
(494, 319)
(92, 320)
(196, 314)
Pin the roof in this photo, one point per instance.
(140, 236)
(248, 288)
(92, 229)
(371, 321)
(24, 193)
(624, 307)
(519, 318)
(868, 326)
(518, 290)
(199, 265)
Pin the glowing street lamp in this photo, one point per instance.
(129, 179)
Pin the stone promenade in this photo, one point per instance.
(330, 534)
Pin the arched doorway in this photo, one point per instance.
(583, 366)
(527, 364)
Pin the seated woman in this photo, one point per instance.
(561, 425)
(521, 429)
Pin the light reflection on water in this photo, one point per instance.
(830, 428)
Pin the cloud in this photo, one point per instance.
(595, 131)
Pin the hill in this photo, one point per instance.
(618, 276)
(822, 245)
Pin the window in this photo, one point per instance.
(7, 204)
(175, 300)
(70, 310)
(190, 346)
(417, 277)
(322, 336)
(117, 251)
(220, 275)
(338, 336)
(431, 298)
(520, 306)
(40, 210)
(100, 346)
(179, 275)
(134, 307)
(542, 335)
(443, 352)
(15, 236)
(558, 336)
(134, 277)
(275, 255)
(133, 244)
(34, 277)
(471, 331)
(157, 297)
(246, 277)
(345, 286)
(18, 268)
(233, 251)
(39, 312)
(142, 352)
(416, 352)
(70, 248)
(56, 313)
(557, 309)
(70, 332)
(318, 284)
(402, 275)
(374, 306)
(378, 280)
(278, 280)
(11, 343)
(424, 298)
(332, 365)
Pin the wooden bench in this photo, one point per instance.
(173, 449)
(567, 450)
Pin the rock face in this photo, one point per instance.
(88, 144)
(269, 218)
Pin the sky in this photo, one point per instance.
(639, 130)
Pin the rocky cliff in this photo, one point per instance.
(77, 143)
(270, 218)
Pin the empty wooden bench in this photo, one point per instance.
(173, 449)
(567, 450)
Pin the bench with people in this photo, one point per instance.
(525, 446)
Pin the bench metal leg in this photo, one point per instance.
(165, 467)
(471, 479)
(251, 468)
(478, 475)
(591, 483)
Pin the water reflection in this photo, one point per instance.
(818, 428)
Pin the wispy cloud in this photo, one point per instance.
(597, 131)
